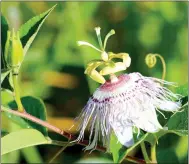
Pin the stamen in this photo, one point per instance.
(83, 43)
(112, 32)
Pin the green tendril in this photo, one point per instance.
(150, 61)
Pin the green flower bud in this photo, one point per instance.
(14, 53)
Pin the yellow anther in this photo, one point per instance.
(109, 67)
(124, 56)
(93, 73)
(119, 66)
(97, 77)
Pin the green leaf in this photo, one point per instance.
(33, 106)
(4, 73)
(6, 80)
(32, 155)
(119, 151)
(22, 139)
(179, 120)
(184, 100)
(29, 30)
(172, 149)
(12, 157)
(6, 84)
(152, 138)
(7, 96)
(183, 90)
(169, 153)
(4, 132)
(4, 29)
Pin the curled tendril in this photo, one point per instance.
(151, 60)
(109, 67)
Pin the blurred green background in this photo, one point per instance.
(54, 66)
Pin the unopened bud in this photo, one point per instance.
(14, 53)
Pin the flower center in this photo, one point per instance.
(110, 86)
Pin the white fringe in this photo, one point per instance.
(136, 95)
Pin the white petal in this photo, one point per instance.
(170, 106)
(123, 133)
(147, 121)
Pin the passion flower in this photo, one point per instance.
(123, 102)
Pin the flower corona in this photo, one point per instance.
(124, 102)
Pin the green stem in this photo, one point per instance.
(59, 131)
(153, 153)
(144, 152)
(163, 64)
(58, 153)
(14, 75)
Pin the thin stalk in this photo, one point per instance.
(163, 64)
(113, 78)
(59, 131)
(60, 143)
(144, 152)
(17, 91)
(133, 160)
(58, 153)
(153, 153)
